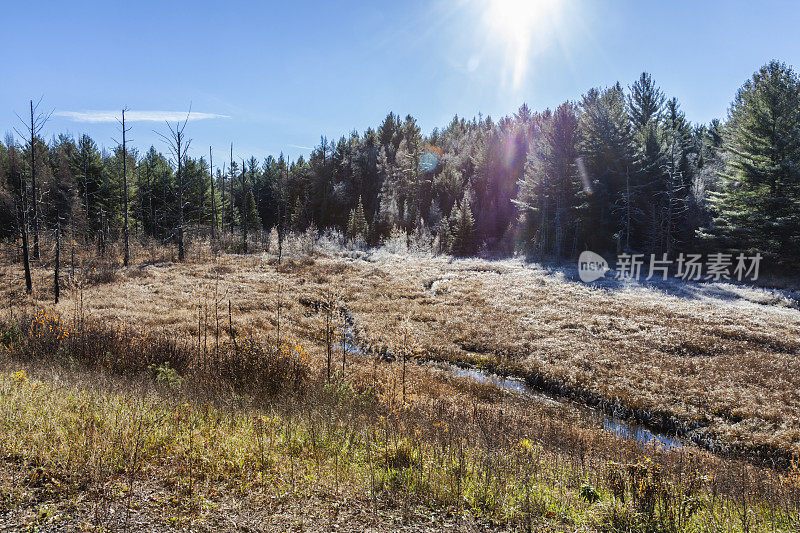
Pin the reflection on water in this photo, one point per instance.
(626, 430)
(619, 427)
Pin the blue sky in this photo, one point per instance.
(281, 74)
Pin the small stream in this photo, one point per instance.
(619, 427)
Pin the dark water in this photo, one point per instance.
(617, 426)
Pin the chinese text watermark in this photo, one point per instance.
(688, 267)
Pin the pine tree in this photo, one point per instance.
(607, 152)
(462, 230)
(357, 226)
(297, 219)
(644, 179)
(548, 188)
(645, 102)
(443, 232)
(253, 218)
(758, 208)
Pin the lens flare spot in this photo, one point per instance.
(429, 159)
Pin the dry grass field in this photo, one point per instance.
(382, 445)
(712, 363)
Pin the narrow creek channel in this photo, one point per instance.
(619, 427)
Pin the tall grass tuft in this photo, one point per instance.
(248, 365)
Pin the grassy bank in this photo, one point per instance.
(139, 434)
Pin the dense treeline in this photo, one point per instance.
(620, 170)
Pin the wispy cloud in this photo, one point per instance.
(134, 116)
(301, 147)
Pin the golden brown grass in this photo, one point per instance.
(91, 449)
(724, 370)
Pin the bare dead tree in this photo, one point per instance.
(282, 207)
(17, 179)
(125, 232)
(200, 201)
(178, 145)
(127, 256)
(222, 198)
(213, 196)
(57, 268)
(230, 182)
(37, 122)
(244, 210)
(627, 206)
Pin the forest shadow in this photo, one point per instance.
(701, 290)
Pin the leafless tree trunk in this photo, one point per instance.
(17, 178)
(244, 210)
(230, 203)
(222, 199)
(56, 274)
(37, 122)
(33, 185)
(179, 146)
(127, 254)
(181, 249)
(674, 197)
(213, 196)
(631, 212)
(200, 201)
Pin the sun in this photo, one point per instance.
(519, 25)
(515, 18)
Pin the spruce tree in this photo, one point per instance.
(550, 182)
(462, 230)
(357, 226)
(443, 232)
(253, 218)
(296, 218)
(645, 101)
(758, 207)
(607, 152)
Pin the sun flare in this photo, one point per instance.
(519, 25)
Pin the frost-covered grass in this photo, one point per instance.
(706, 358)
(720, 360)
